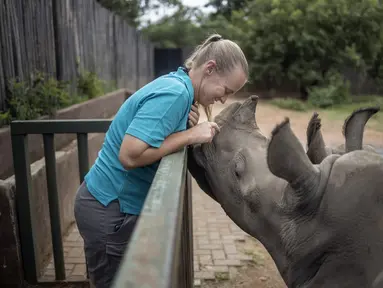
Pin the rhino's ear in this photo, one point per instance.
(245, 115)
(316, 148)
(226, 113)
(353, 127)
(287, 159)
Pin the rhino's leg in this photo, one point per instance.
(353, 127)
(316, 148)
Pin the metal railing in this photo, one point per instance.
(161, 247)
(160, 253)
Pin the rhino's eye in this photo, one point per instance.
(239, 167)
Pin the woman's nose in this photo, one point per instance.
(223, 99)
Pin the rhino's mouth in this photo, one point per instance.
(199, 172)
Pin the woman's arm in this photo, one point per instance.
(136, 153)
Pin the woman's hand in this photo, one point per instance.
(203, 132)
(193, 116)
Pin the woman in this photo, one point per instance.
(151, 124)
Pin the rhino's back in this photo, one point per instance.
(352, 207)
(356, 166)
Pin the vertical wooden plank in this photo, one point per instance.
(18, 34)
(57, 41)
(86, 32)
(73, 43)
(78, 10)
(80, 28)
(31, 33)
(6, 39)
(2, 76)
(50, 56)
(96, 37)
(35, 34)
(92, 34)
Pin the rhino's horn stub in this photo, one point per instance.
(222, 118)
(246, 113)
(353, 127)
(254, 98)
(287, 159)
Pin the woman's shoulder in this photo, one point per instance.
(170, 88)
(171, 83)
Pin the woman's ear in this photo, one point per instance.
(210, 66)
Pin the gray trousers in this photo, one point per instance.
(106, 233)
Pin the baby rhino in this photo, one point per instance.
(353, 129)
(321, 223)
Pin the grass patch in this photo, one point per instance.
(340, 112)
(337, 112)
(290, 104)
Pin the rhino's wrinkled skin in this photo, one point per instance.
(322, 224)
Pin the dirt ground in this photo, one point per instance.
(261, 271)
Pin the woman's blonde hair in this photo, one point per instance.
(226, 53)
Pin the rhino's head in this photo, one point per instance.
(233, 170)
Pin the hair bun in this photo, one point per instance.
(215, 38)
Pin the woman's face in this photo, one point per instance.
(218, 87)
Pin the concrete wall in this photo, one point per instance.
(10, 268)
(100, 107)
(67, 180)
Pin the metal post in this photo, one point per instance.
(186, 259)
(83, 164)
(189, 231)
(54, 208)
(83, 155)
(22, 168)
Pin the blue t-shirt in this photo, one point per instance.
(152, 113)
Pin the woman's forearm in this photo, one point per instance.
(171, 144)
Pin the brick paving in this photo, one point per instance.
(215, 248)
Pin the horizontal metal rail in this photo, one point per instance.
(67, 126)
(160, 253)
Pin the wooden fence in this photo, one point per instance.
(63, 37)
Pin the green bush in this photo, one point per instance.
(89, 85)
(50, 94)
(334, 91)
(300, 41)
(44, 96)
